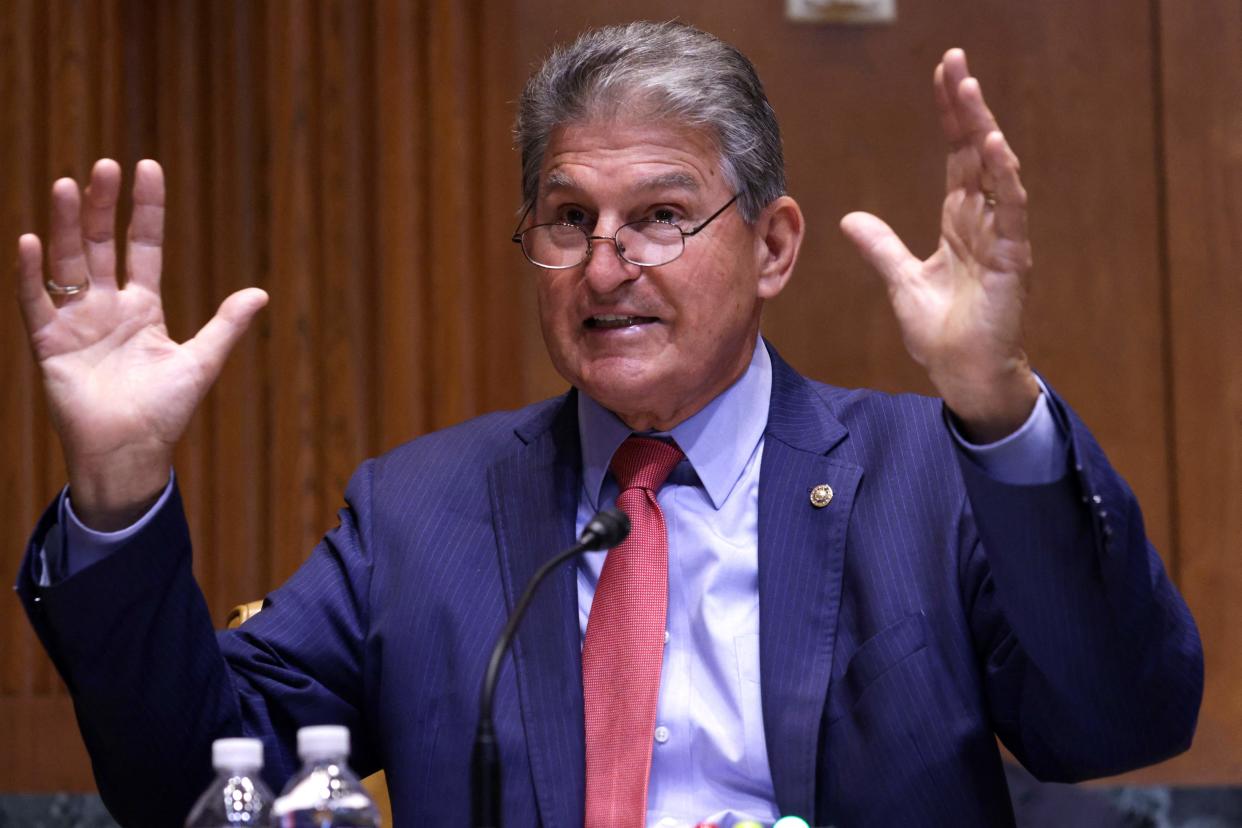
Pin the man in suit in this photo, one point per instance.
(832, 600)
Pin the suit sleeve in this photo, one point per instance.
(153, 683)
(1092, 662)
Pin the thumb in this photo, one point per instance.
(879, 245)
(214, 341)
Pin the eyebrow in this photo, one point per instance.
(559, 180)
(668, 181)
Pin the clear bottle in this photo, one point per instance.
(238, 796)
(325, 793)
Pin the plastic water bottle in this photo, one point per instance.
(238, 795)
(325, 793)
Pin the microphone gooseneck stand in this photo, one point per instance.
(606, 530)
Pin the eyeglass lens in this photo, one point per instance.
(644, 243)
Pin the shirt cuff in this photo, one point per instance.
(82, 546)
(1033, 455)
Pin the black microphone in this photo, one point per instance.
(606, 530)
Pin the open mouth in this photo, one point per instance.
(602, 322)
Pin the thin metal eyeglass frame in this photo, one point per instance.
(685, 234)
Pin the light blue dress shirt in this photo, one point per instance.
(709, 761)
(709, 758)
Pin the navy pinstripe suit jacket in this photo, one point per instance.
(924, 610)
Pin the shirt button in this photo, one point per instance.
(661, 734)
(666, 636)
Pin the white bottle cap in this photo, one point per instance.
(323, 741)
(240, 754)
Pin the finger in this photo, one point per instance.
(1003, 168)
(880, 246)
(146, 228)
(99, 222)
(963, 170)
(944, 107)
(977, 123)
(37, 307)
(965, 98)
(972, 112)
(955, 71)
(66, 256)
(214, 341)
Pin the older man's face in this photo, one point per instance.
(652, 344)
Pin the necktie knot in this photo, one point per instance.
(645, 463)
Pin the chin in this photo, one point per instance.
(625, 392)
(619, 393)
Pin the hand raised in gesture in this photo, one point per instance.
(120, 391)
(960, 310)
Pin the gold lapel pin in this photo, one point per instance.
(821, 495)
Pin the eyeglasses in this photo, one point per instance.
(646, 243)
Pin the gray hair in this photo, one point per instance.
(665, 71)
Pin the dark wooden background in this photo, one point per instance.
(353, 158)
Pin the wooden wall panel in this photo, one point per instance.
(451, 197)
(46, 752)
(179, 143)
(398, 77)
(1201, 82)
(345, 256)
(503, 271)
(292, 227)
(227, 183)
(21, 468)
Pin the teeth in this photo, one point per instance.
(614, 320)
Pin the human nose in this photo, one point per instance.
(605, 270)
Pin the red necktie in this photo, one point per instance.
(624, 647)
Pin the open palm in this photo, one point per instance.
(120, 391)
(960, 310)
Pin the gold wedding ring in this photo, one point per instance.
(989, 199)
(57, 289)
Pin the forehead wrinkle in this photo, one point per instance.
(561, 180)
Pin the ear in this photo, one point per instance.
(778, 237)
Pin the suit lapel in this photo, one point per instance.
(801, 560)
(534, 494)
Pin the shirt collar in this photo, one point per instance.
(718, 440)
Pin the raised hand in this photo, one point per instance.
(960, 310)
(120, 391)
